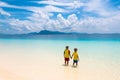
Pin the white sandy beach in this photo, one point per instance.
(36, 67)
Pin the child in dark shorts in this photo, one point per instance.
(75, 57)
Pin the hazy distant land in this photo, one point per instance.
(63, 35)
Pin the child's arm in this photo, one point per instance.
(69, 54)
(64, 53)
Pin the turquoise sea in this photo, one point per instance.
(100, 53)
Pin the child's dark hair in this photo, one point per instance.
(75, 49)
(67, 46)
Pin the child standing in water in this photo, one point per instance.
(67, 55)
(75, 57)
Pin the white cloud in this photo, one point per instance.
(99, 7)
(40, 18)
(72, 18)
(62, 23)
(16, 26)
(4, 4)
(26, 24)
(93, 6)
(71, 24)
(48, 8)
(99, 25)
(63, 1)
(87, 25)
(2, 12)
(67, 4)
(38, 13)
(53, 9)
(54, 3)
(118, 7)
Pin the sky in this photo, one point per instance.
(82, 16)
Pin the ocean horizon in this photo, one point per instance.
(103, 37)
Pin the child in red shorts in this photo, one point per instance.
(67, 55)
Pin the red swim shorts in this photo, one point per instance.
(66, 59)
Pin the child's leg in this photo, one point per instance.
(76, 63)
(73, 62)
(67, 62)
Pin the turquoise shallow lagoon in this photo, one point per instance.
(99, 58)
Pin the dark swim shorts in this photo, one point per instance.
(75, 61)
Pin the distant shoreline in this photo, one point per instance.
(47, 32)
(63, 36)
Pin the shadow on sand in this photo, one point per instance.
(74, 66)
(69, 65)
(64, 65)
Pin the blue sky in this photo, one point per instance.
(83, 16)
